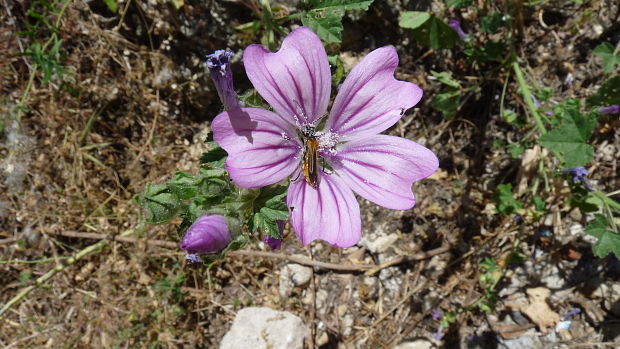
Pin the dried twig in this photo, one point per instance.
(368, 268)
(121, 238)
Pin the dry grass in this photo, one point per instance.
(127, 110)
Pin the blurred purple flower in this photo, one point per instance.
(579, 174)
(438, 335)
(612, 109)
(572, 312)
(208, 234)
(535, 101)
(219, 65)
(436, 314)
(266, 147)
(457, 28)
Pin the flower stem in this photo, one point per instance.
(527, 95)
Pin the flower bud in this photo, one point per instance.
(272, 242)
(219, 65)
(208, 234)
(612, 109)
(457, 28)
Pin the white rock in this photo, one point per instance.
(293, 275)
(381, 243)
(416, 344)
(347, 324)
(263, 328)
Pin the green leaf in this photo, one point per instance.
(111, 4)
(606, 52)
(459, 4)
(251, 99)
(539, 203)
(570, 138)
(160, 204)
(413, 19)
(515, 150)
(504, 200)
(491, 23)
(434, 32)
(447, 102)
(325, 16)
(597, 227)
(608, 94)
(446, 79)
(327, 25)
(215, 157)
(583, 199)
(608, 241)
(275, 209)
(337, 68)
(339, 5)
(24, 277)
(509, 116)
(183, 186)
(269, 207)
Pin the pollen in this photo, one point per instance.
(328, 141)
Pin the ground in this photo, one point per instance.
(128, 101)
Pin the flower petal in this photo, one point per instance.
(329, 213)
(258, 154)
(370, 100)
(299, 72)
(382, 168)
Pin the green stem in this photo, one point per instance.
(527, 95)
(607, 203)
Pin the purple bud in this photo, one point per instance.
(535, 101)
(272, 242)
(436, 314)
(208, 234)
(457, 28)
(612, 109)
(219, 65)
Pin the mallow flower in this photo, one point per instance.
(327, 158)
(208, 234)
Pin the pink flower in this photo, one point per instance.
(208, 234)
(266, 147)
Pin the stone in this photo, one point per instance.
(265, 328)
(382, 243)
(293, 275)
(415, 344)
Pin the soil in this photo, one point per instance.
(132, 107)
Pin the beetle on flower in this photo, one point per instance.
(266, 147)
